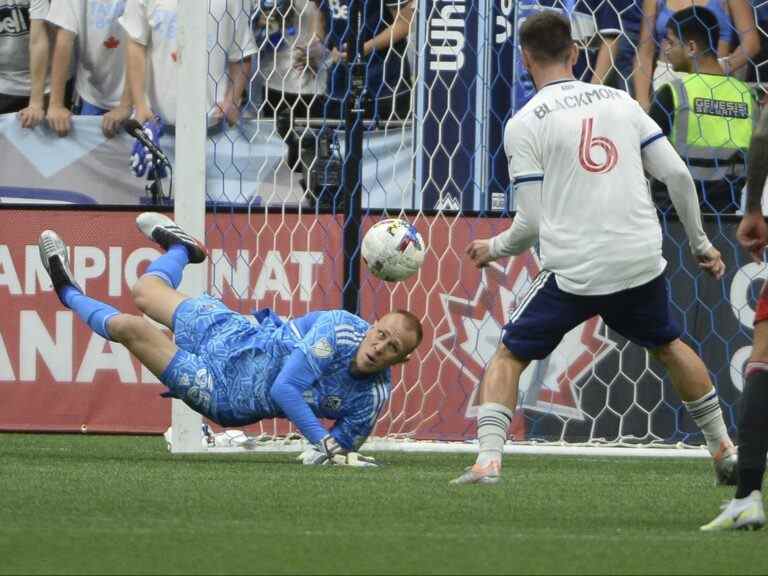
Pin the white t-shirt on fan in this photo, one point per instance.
(15, 23)
(277, 68)
(100, 47)
(598, 228)
(153, 23)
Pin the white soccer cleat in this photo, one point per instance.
(477, 474)
(161, 229)
(725, 461)
(740, 514)
(53, 253)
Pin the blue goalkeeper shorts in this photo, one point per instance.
(546, 314)
(223, 368)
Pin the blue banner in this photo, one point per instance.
(502, 81)
(449, 47)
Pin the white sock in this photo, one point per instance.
(708, 416)
(493, 422)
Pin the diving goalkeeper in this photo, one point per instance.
(236, 369)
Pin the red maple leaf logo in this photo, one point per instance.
(474, 332)
(111, 43)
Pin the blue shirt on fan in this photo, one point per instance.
(387, 72)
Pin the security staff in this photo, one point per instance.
(708, 115)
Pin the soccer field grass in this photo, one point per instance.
(89, 504)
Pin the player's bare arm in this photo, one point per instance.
(136, 64)
(112, 122)
(753, 231)
(59, 116)
(34, 113)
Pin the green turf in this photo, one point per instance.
(84, 504)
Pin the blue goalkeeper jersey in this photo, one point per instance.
(238, 369)
(308, 376)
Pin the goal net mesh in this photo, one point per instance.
(439, 80)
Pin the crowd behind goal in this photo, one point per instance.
(287, 60)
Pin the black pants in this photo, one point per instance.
(9, 103)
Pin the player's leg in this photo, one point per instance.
(690, 379)
(746, 510)
(155, 292)
(147, 343)
(641, 314)
(535, 328)
(188, 376)
(53, 254)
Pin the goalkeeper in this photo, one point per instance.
(236, 369)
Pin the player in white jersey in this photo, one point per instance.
(577, 155)
(100, 73)
(152, 60)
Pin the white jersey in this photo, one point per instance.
(598, 228)
(15, 23)
(100, 47)
(277, 68)
(153, 23)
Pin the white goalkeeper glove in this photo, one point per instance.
(328, 451)
(322, 452)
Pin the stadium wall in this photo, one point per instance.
(55, 375)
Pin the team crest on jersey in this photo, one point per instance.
(322, 348)
(331, 403)
(474, 333)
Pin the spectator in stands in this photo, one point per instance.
(280, 26)
(707, 114)
(735, 19)
(24, 48)
(152, 57)
(385, 25)
(593, 25)
(619, 31)
(100, 74)
(758, 67)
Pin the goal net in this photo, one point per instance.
(347, 111)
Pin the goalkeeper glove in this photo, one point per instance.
(329, 451)
(354, 459)
(322, 452)
(314, 457)
(142, 160)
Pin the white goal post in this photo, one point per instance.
(189, 198)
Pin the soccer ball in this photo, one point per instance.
(393, 249)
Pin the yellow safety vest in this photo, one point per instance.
(714, 118)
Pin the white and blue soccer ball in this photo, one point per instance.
(393, 249)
